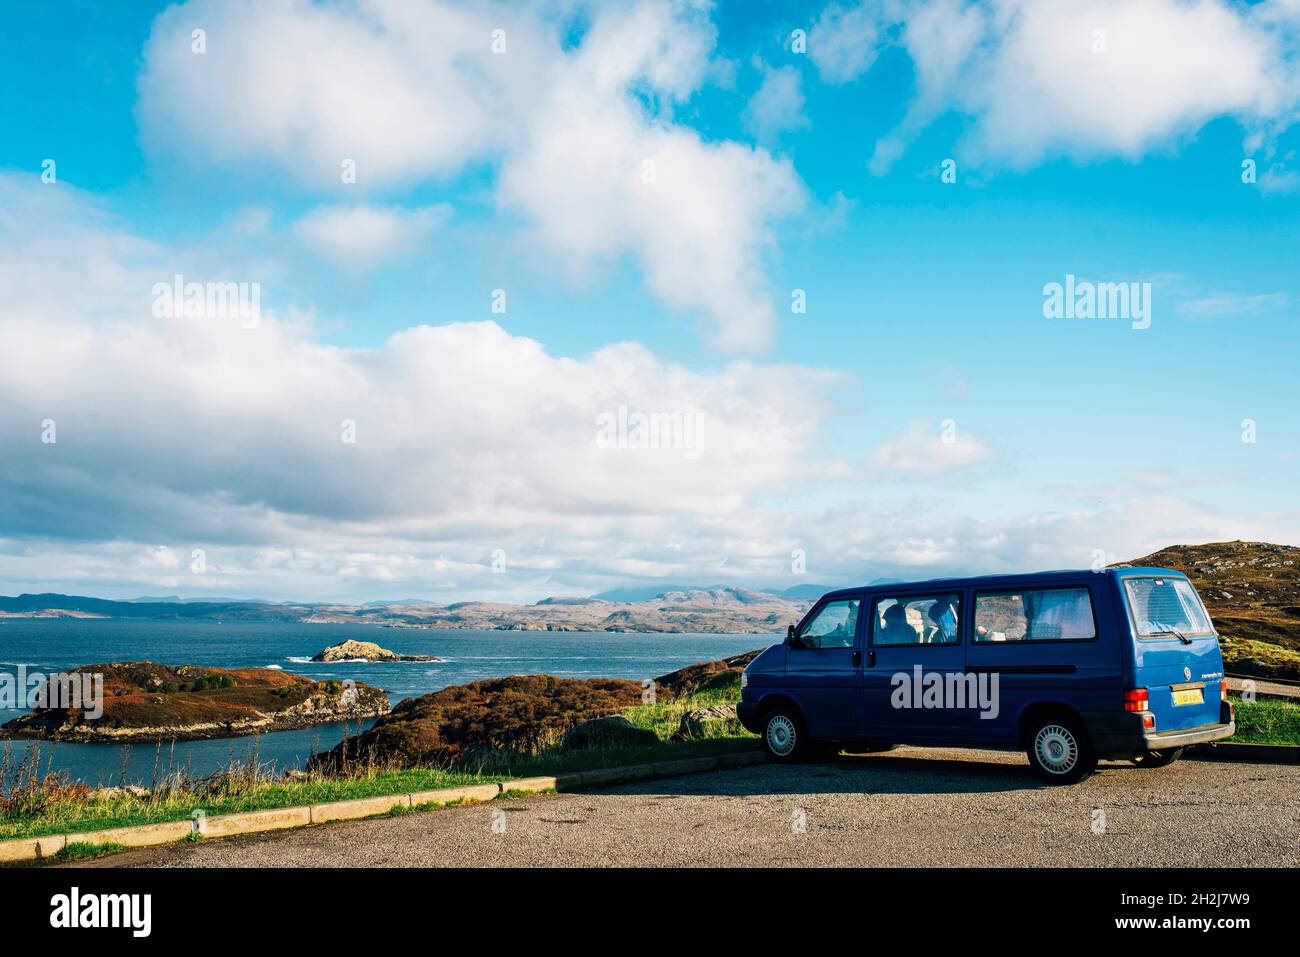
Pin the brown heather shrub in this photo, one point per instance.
(523, 713)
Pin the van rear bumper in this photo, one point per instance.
(1121, 733)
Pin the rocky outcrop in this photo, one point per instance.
(147, 701)
(706, 722)
(614, 731)
(523, 713)
(702, 677)
(364, 651)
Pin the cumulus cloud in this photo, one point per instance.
(1081, 78)
(414, 460)
(777, 105)
(400, 90)
(842, 43)
(358, 237)
(921, 450)
(582, 135)
(926, 538)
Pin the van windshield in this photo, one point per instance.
(1166, 606)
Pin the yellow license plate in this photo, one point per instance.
(1189, 696)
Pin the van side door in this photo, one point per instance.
(821, 670)
(914, 639)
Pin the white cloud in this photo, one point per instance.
(181, 433)
(1279, 179)
(842, 43)
(1167, 69)
(412, 91)
(358, 237)
(1089, 78)
(1229, 304)
(921, 450)
(777, 105)
(400, 89)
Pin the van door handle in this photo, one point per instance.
(857, 658)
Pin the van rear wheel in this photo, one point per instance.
(1158, 759)
(784, 737)
(1060, 750)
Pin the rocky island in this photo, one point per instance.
(147, 701)
(365, 651)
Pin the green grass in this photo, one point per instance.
(85, 850)
(1260, 658)
(69, 815)
(1266, 721)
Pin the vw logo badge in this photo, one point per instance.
(1187, 673)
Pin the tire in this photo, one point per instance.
(785, 739)
(1060, 750)
(1158, 759)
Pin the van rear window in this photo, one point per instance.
(1034, 614)
(1166, 606)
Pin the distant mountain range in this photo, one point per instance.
(719, 610)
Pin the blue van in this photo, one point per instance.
(1071, 666)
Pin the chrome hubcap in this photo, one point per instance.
(780, 734)
(1056, 749)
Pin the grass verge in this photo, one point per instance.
(85, 851)
(71, 814)
(1266, 721)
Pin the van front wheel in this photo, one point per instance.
(1060, 751)
(784, 737)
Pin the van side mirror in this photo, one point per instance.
(791, 638)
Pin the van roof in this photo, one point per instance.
(1008, 581)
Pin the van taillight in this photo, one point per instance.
(1135, 699)
(1223, 690)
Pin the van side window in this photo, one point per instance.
(1038, 614)
(834, 626)
(931, 620)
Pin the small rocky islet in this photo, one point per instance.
(351, 650)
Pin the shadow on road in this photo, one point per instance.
(900, 772)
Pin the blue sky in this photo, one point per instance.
(921, 417)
